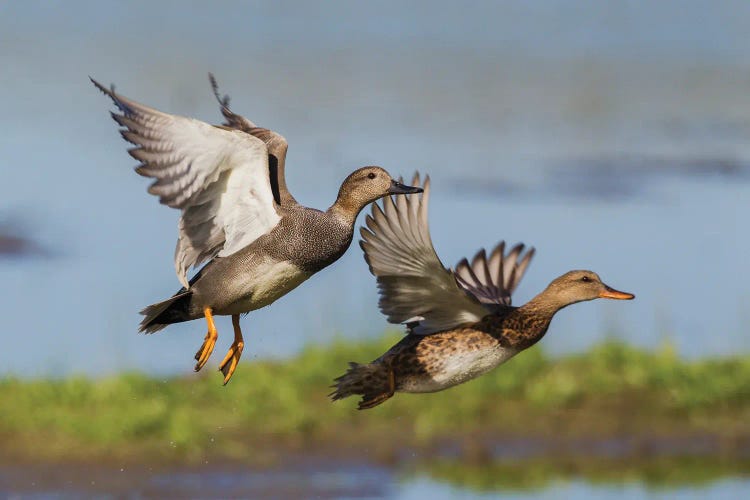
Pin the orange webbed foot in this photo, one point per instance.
(230, 361)
(208, 343)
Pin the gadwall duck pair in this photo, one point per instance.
(460, 323)
(237, 215)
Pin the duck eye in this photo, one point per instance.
(371, 175)
(586, 279)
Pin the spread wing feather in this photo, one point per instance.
(275, 143)
(493, 279)
(415, 288)
(414, 285)
(217, 177)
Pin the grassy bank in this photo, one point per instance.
(274, 407)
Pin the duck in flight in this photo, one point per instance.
(237, 215)
(460, 322)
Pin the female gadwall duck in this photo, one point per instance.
(237, 214)
(460, 322)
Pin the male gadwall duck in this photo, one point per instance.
(460, 322)
(237, 214)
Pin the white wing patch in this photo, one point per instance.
(218, 177)
(247, 217)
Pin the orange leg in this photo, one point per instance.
(208, 343)
(230, 361)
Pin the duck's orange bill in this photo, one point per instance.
(611, 293)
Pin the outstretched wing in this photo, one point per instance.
(217, 176)
(414, 285)
(275, 142)
(493, 279)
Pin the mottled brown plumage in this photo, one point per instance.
(461, 323)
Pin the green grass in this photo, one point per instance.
(269, 406)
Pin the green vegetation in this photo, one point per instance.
(272, 407)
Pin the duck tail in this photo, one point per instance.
(173, 310)
(371, 380)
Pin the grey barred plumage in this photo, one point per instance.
(237, 215)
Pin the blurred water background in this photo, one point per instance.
(330, 480)
(609, 135)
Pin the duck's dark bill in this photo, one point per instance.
(398, 188)
(611, 293)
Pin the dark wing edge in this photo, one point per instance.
(493, 279)
(275, 142)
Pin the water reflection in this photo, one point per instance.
(425, 488)
(660, 473)
(323, 478)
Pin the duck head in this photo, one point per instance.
(365, 185)
(577, 286)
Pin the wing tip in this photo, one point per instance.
(120, 102)
(101, 87)
(223, 101)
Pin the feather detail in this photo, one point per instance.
(218, 178)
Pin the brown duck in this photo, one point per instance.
(460, 322)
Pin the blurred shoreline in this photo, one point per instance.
(614, 401)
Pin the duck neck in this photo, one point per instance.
(345, 210)
(539, 311)
(548, 302)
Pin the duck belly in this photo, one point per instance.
(267, 282)
(455, 367)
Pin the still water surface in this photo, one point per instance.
(328, 480)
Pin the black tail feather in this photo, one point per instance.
(173, 310)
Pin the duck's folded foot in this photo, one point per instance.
(373, 399)
(229, 364)
(208, 343)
